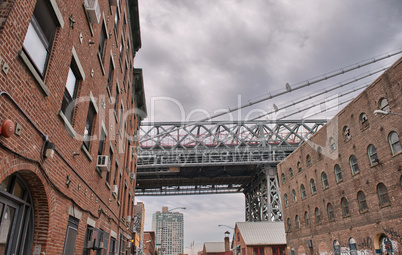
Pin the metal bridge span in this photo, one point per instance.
(176, 158)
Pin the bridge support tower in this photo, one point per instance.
(263, 196)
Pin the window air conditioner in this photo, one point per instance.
(128, 219)
(93, 10)
(132, 175)
(115, 189)
(103, 163)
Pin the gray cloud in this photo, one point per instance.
(204, 54)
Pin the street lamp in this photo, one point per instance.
(225, 226)
(381, 112)
(163, 225)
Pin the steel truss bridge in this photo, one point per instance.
(176, 158)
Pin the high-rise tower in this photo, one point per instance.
(169, 229)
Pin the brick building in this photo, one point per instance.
(73, 102)
(259, 238)
(149, 243)
(341, 190)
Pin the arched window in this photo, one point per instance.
(317, 215)
(289, 223)
(302, 191)
(308, 159)
(286, 199)
(345, 207)
(353, 164)
(16, 209)
(384, 106)
(372, 154)
(338, 173)
(299, 167)
(394, 142)
(332, 144)
(330, 212)
(312, 186)
(307, 219)
(283, 178)
(352, 246)
(361, 198)
(382, 194)
(291, 173)
(294, 196)
(364, 120)
(297, 222)
(337, 248)
(324, 180)
(346, 133)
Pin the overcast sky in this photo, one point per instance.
(200, 57)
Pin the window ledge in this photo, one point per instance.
(333, 220)
(69, 128)
(346, 216)
(118, 203)
(107, 185)
(364, 211)
(114, 195)
(385, 205)
(375, 164)
(86, 152)
(101, 63)
(326, 188)
(397, 154)
(115, 115)
(340, 181)
(355, 174)
(35, 73)
(347, 139)
(313, 194)
(364, 128)
(99, 172)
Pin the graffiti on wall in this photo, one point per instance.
(366, 243)
(393, 234)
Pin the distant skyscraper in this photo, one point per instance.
(169, 229)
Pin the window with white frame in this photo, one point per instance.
(40, 36)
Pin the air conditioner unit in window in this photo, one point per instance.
(115, 189)
(132, 175)
(128, 219)
(103, 163)
(93, 10)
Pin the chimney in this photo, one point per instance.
(227, 246)
(164, 209)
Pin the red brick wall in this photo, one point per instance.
(47, 178)
(364, 227)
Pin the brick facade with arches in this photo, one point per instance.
(69, 86)
(348, 189)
